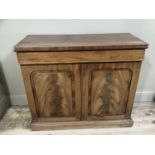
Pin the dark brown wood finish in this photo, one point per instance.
(80, 57)
(107, 89)
(36, 43)
(80, 81)
(53, 91)
(35, 126)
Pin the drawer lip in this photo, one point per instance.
(78, 57)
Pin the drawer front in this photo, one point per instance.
(67, 57)
(56, 95)
(108, 89)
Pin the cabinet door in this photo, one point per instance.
(108, 89)
(53, 91)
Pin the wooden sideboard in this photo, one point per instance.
(80, 81)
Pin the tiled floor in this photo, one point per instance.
(17, 121)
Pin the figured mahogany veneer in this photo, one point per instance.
(80, 81)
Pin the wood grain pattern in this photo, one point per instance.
(80, 57)
(109, 92)
(80, 80)
(136, 70)
(35, 126)
(54, 93)
(81, 42)
(107, 89)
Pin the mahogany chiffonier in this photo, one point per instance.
(80, 81)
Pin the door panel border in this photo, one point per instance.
(27, 70)
(87, 68)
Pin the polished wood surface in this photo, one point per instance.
(90, 83)
(36, 125)
(108, 89)
(53, 91)
(80, 57)
(81, 42)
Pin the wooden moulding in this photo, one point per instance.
(44, 91)
(79, 57)
(122, 80)
(80, 42)
(36, 126)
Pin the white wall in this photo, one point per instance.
(12, 31)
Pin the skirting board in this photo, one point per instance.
(18, 100)
(4, 104)
(140, 97)
(144, 96)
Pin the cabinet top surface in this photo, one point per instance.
(79, 42)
